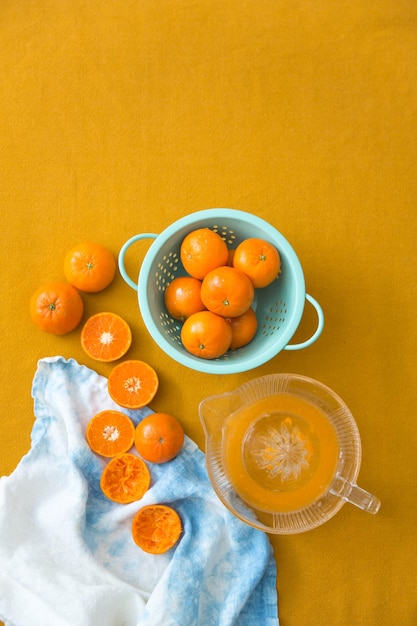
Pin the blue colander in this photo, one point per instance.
(279, 307)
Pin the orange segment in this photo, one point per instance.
(133, 384)
(110, 433)
(125, 479)
(156, 528)
(106, 337)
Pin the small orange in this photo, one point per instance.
(132, 384)
(227, 291)
(244, 328)
(231, 257)
(182, 297)
(259, 259)
(56, 308)
(156, 528)
(110, 433)
(125, 479)
(159, 437)
(89, 267)
(201, 251)
(106, 337)
(206, 335)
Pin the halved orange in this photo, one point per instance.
(106, 337)
(133, 384)
(156, 528)
(110, 433)
(125, 478)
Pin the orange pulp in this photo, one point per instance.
(280, 453)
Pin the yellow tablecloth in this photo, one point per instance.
(120, 117)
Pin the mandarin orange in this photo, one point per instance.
(56, 308)
(182, 297)
(244, 328)
(201, 251)
(206, 335)
(110, 433)
(156, 528)
(125, 479)
(227, 291)
(259, 260)
(89, 266)
(159, 437)
(106, 337)
(132, 384)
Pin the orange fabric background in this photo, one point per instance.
(120, 117)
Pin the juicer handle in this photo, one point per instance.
(317, 333)
(122, 254)
(351, 492)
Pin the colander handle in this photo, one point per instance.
(316, 335)
(122, 254)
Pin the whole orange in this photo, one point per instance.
(182, 297)
(244, 328)
(231, 257)
(259, 260)
(89, 266)
(56, 307)
(206, 335)
(201, 251)
(159, 437)
(227, 291)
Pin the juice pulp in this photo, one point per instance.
(280, 453)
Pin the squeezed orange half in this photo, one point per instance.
(280, 453)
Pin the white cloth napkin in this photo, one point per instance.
(67, 557)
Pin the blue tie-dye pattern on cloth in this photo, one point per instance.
(66, 553)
